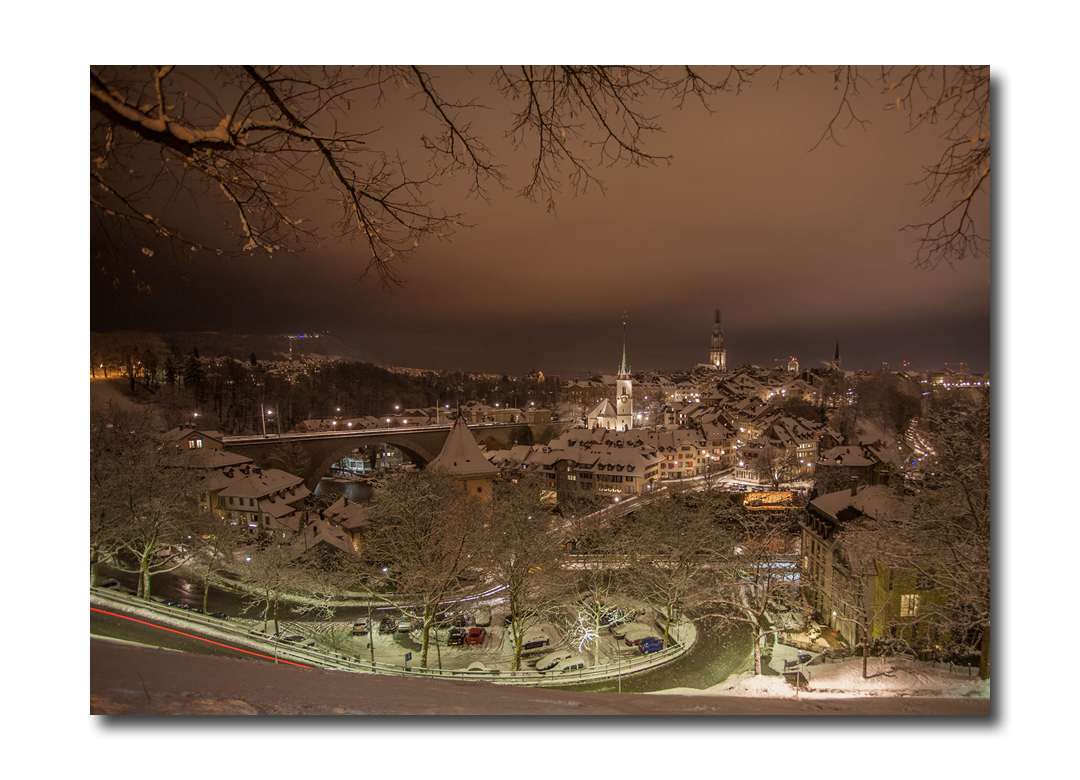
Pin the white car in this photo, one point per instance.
(482, 616)
(549, 660)
(638, 632)
(571, 664)
(623, 629)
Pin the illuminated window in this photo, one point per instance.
(909, 605)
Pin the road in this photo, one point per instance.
(720, 650)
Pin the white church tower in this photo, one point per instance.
(624, 391)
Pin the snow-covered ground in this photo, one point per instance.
(844, 679)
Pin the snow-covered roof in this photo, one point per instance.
(871, 500)
(461, 455)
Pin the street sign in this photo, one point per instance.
(408, 656)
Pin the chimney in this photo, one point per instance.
(854, 484)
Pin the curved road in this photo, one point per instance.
(720, 650)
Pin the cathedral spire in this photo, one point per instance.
(717, 354)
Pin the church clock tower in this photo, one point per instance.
(624, 392)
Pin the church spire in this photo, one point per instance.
(622, 369)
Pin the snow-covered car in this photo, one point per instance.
(571, 664)
(482, 616)
(404, 626)
(360, 628)
(549, 660)
(637, 639)
(623, 629)
(111, 585)
(476, 636)
(533, 641)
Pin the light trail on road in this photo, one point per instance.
(199, 638)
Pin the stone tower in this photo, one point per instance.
(717, 353)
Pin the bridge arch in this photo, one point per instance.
(415, 452)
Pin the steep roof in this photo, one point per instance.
(461, 455)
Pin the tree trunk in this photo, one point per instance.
(144, 577)
(984, 654)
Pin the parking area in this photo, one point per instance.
(460, 647)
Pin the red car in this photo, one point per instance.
(475, 636)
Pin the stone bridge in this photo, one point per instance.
(420, 444)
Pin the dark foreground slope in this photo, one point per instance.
(132, 680)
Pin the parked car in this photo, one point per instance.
(292, 639)
(482, 616)
(533, 641)
(635, 639)
(476, 636)
(111, 585)
(404, 626)
(571, 664)
(650, 645)
(457, 637)
(623, 629)
(219, 615)
(360, 628)
(387, 626)
(548, 661)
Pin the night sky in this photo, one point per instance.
(800, 250)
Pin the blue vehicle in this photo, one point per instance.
(650, 645)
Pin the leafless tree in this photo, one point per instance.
(210, 545)
(778, 465)
(143, 504)
(291, 457)
(753, 572)
(271, 572)
(325, 586)
(857, 588)
(946, 538)
(427, 531)
(525, 553)
(672, 543)
(260, 142)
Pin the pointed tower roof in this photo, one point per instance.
(461, 455)
(622, 369)
(837, 355)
